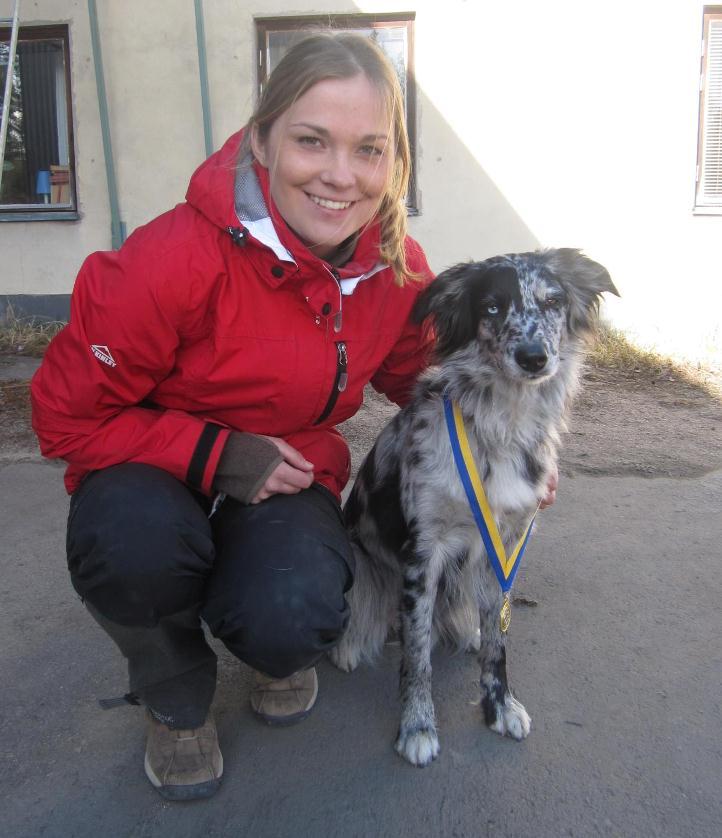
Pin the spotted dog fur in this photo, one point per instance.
(510, 335)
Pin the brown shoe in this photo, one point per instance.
(283, 701)
(183, 764)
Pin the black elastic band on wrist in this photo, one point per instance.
(199, 460)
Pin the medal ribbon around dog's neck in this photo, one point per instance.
(505, 567)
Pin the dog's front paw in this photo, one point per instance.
(419, 747)
(511, 719)
(343, 657)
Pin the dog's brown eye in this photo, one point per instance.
(552, 302)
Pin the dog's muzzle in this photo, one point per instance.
(531, 357)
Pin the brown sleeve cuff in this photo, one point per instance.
(245, 463)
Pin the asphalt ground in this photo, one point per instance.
(619, 663)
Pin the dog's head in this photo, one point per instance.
(519, 309)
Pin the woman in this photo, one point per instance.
(211, 357)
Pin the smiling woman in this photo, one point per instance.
(345, 86)
(329, 161)
(392, 32)
(196, 391)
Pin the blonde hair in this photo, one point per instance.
(343, 55)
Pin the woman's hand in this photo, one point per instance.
(552, 486)
(289, 477)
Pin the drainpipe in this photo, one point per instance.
(203, 72)
(117, 227)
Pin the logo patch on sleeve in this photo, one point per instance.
(102, 353)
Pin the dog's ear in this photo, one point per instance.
(444, 301)
(584, 280)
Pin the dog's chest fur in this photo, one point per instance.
(513, 435)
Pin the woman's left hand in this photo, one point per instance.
(552, 486)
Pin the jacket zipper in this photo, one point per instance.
(238, 234)
(338, 317)
(340, 381)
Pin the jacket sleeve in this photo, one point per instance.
(120, 342)
(411, 353)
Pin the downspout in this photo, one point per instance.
(203, 72)
(117, 227)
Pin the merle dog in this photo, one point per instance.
(510, 337)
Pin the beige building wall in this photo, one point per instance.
(557, 123)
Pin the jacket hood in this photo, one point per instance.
(210, 189)
(228, 194)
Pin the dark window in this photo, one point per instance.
(392, 32)
(38, 173)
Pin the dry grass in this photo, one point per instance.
(614, 353)
(26, 335)
(611, 350)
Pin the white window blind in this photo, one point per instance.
(709, 178)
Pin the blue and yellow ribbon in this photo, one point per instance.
(505, 567)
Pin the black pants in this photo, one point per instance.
(269, 581)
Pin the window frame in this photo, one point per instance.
(702, 204)
(43, 212)
(315, 23)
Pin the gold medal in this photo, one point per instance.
(505, 615)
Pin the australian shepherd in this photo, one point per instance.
(510, 337)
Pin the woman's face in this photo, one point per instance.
(329, 158)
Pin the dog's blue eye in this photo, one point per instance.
(492, 309)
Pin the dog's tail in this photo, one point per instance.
(374, 601)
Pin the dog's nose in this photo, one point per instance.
(531, 357)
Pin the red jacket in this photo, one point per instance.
(203, 323)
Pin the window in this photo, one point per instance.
(38, 173)
(392, 32)
(709, 155)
